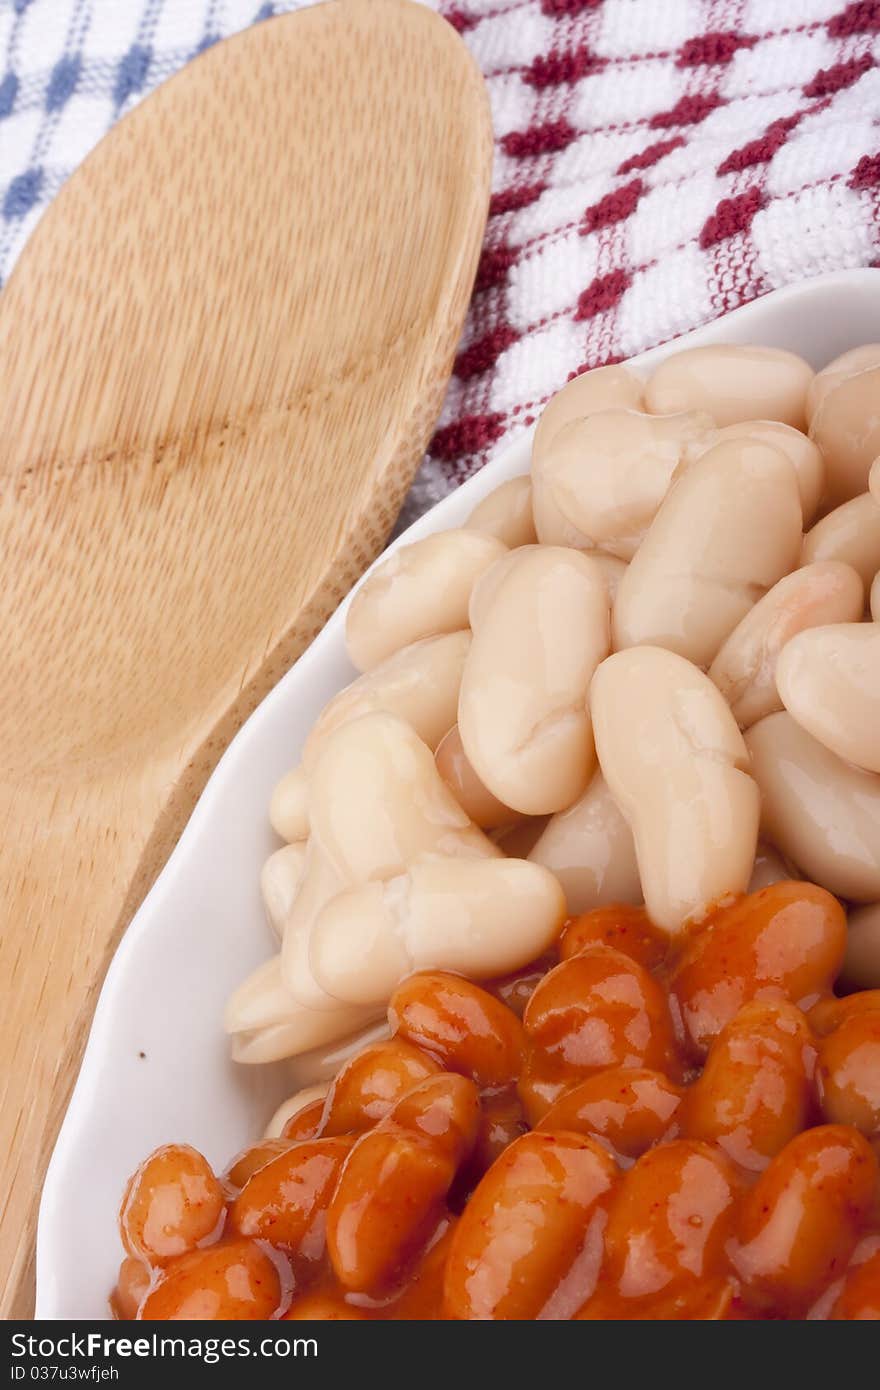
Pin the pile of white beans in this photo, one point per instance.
(603, 688)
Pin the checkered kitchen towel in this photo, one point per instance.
(658, 162)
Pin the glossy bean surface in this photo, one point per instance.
(173, 1203)
(596, 1010)
(285, 1200)
(369, 1084)
(671, 1218)
(848, 1073)
(629, 1109)
(799, 1224)
(532, 1219)
(239, 1280)
(785, 941)
(371, 1232)
(754, 1092)
(466, 1028)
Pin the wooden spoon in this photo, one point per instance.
(221, 356)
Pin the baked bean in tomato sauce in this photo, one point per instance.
(682, 1129)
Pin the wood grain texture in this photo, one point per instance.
(221, 355)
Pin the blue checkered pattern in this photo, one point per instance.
(657, 163)
(70, 68)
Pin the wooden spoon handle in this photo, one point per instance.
(59, 925)
(207, 430)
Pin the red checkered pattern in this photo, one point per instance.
(658, 162)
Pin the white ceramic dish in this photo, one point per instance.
(156, 1068)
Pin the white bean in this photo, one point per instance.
(728, 529)
(418, 684)
(609, 473)
(802, 453)
(289, 806)
(745, 668)
(266, 1023)
(506, 514)
(320, 882)
(850, 533)
(830, 377)
(324, 1063)
(829, 681)
(378, 803)
(846, 427)
(260, 1000)
(613, 570)
(280, 881)
(590, 849)
(522, 711)
(298, 975)
(693, 513)
(770, 867)
(488, 584)
(675, 763)
(606, 388)
(421, 590)
(861, 963)
(822, 813)
(733, 383)
(292, 1106)
(518, 841)
(473, 797)
(482, 918)
(874, 480)
(277, 1041)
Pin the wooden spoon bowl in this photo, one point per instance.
(221, 356)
